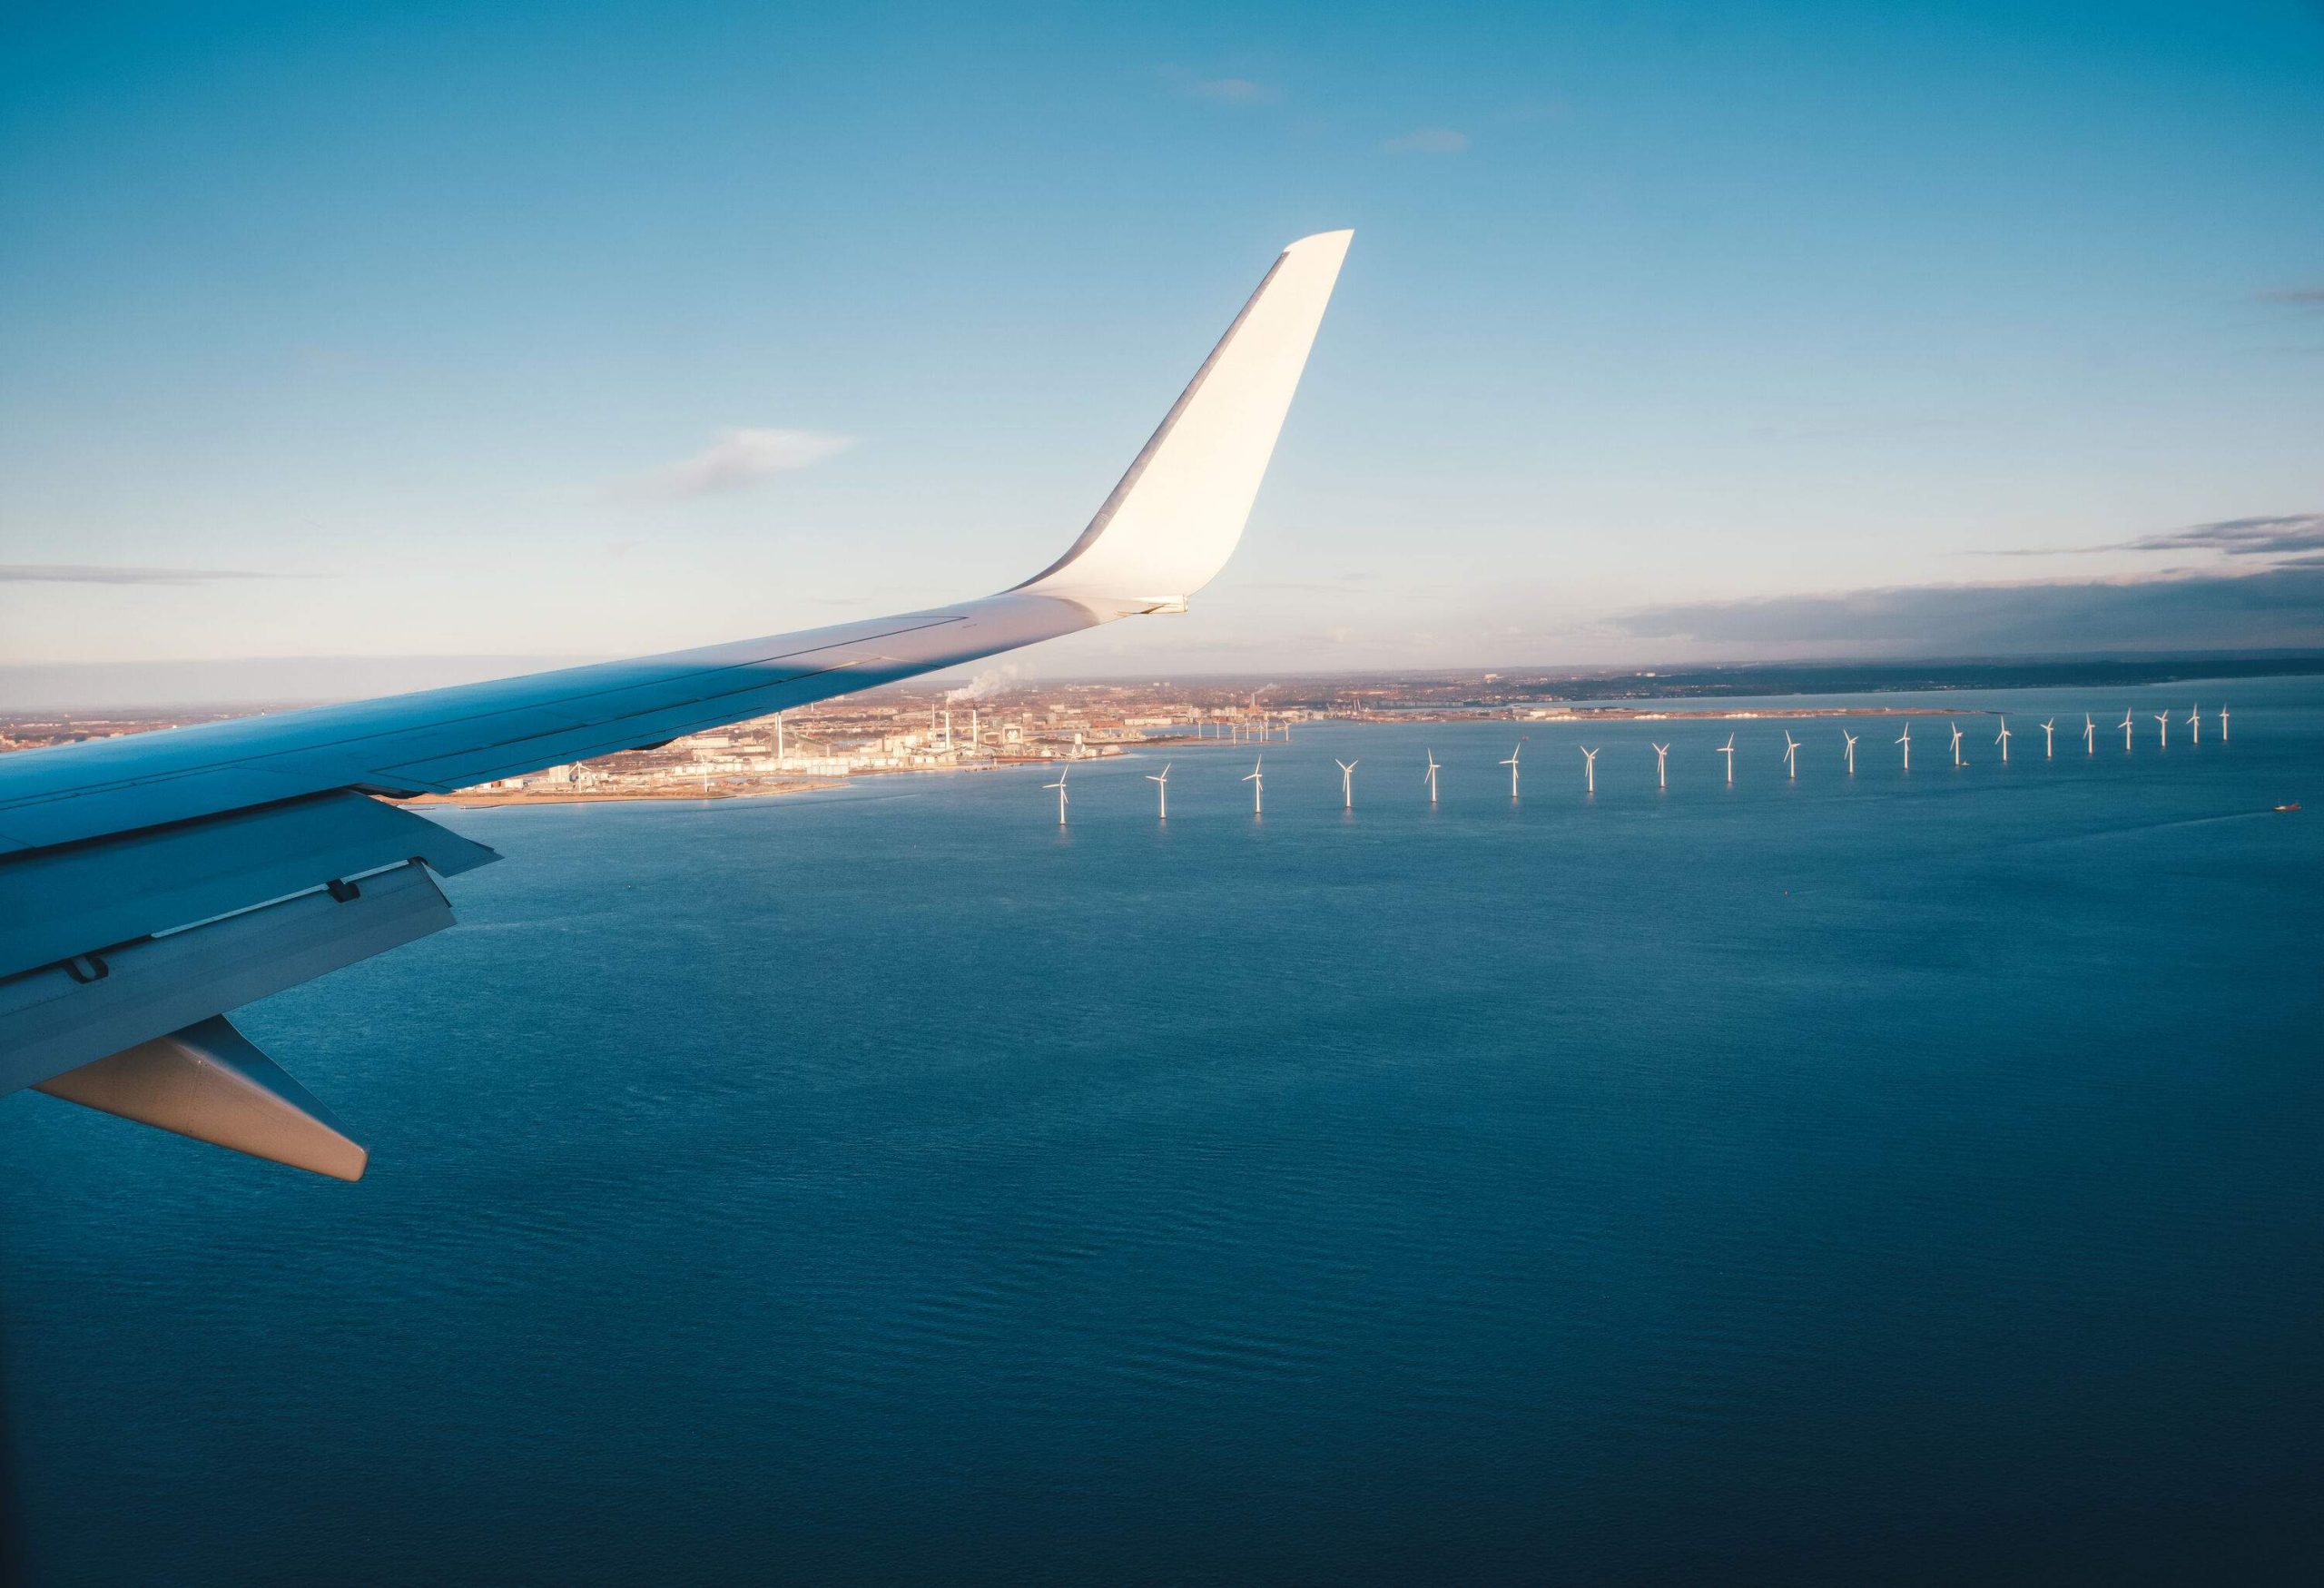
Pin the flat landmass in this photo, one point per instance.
(933, 729)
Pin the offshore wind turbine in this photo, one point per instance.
(1851, 739)
(1589, 767)
(2002, 739)
(1791, 755)
(1728, 750)
(1258, 786)
(2088, 735)
(1956, 744)
(1906, 741)
(1347, 780)
(2050, 740)
(2222, 725)
(1431, 777)
(2163, 719)
(2126, 727)
(1661, 766)
(1511, 764)
(1059, 786)
(1161, 782)
(2195, 721)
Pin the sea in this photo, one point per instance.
(1887, 1178)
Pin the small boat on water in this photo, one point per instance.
(2293, 806)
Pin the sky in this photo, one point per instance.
(347, 346)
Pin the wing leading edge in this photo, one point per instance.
(211, 866)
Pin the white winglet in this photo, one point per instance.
(1175, 518)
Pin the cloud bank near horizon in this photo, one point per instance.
(2280, 607)
(2284, 537)
(2293, 538)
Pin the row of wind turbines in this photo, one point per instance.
(1256, 776)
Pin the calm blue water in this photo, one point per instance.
(1901, 1180)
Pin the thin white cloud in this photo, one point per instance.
(736, 460)
(1225, 90)
(59, 573)
(2295, 536)
(1428, 140)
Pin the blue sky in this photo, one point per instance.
(562, 330)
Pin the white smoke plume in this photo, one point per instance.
(987, 683)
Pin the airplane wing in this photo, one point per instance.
(152, 884)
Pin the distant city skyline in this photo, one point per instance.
(508, 335)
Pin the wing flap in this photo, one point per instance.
(61, 1017)
(58, 903)
(211, 1083)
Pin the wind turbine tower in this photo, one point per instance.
(2195, 723)
(1258, 786)
(1906, 741)
(2088, 735)
(1511, 764)
(1589, 767)
(1791, 755)
(1663, 766)
(2163, 721)
(1161, 782)
(1347, 782)
(2222, 725)
(1431, 777)
(1728, 750)
(2002, 739)
(2050, 740)
(1851, 739)
(2126, 728)
(1956, 744)
(1059, 785)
